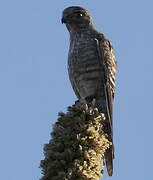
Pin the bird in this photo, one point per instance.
(92, 68)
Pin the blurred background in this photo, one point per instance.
(34, 84)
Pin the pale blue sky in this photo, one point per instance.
(34, 83)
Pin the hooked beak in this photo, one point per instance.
(63, 20)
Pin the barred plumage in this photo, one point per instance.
(92, 67)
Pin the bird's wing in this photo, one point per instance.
(108, 62)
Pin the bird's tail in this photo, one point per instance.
(109, 154)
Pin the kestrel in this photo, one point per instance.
(92, 68)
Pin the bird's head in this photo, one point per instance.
(76, 18)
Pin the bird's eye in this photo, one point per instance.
(79, 14)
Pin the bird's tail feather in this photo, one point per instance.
(109, 154)
(109, 161)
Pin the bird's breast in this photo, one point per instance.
(84, 67)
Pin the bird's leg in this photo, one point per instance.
(91, 101)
